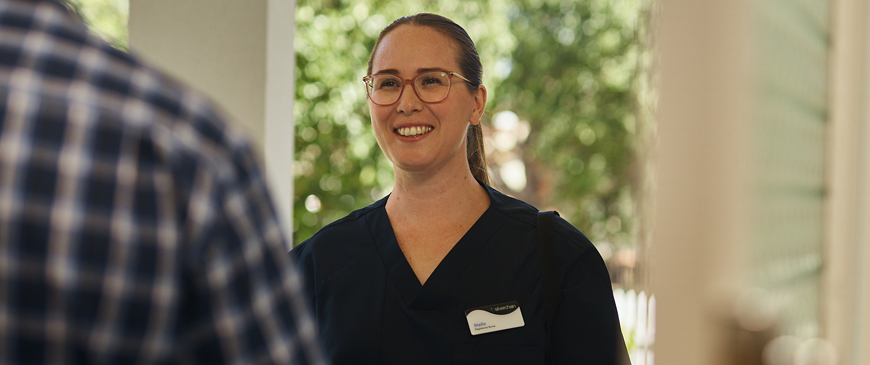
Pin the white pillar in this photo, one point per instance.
(846, 279)
(239, 53)
(701, 193)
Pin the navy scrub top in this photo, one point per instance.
(371, 309)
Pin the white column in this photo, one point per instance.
(701, 192)
(846, 278)
(280, 95)
(239, 53)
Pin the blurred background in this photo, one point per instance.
(714, 152)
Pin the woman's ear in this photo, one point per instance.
(479, 105)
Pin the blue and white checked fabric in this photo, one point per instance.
(135, 225)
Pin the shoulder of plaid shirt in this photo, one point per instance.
(135, 224)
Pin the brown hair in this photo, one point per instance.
(469, 66)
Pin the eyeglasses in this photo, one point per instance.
(430, 87)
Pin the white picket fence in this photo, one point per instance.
(638, 321)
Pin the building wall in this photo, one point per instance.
(790, 43)
(761, 181)
(239, 53)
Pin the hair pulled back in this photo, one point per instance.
(469, 66)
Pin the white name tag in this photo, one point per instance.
(496, 317)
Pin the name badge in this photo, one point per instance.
(496, 317)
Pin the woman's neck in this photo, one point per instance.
(430, 215)
(429, 196)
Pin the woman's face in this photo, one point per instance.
(421, 137)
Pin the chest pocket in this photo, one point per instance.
(467, 353)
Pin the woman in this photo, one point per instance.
(398, 282)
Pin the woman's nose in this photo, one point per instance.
(409, 101)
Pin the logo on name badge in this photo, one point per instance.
(496, 317)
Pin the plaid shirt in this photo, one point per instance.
(135, 225)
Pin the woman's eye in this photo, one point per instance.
(431, 81)
(387, 84)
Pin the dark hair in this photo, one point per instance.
(469, 66)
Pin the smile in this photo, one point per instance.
(413, 131)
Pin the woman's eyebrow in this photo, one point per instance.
(392, 71)
(424, 70)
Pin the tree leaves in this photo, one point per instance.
(566, 70)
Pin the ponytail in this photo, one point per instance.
(476, 153)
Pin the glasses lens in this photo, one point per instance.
(432, 87)
(384, 89)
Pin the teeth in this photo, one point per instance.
(413, 131)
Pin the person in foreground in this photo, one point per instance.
(446, 269)
(135, 224)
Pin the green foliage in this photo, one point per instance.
(567, 69)
(106, 18)
(572, 80)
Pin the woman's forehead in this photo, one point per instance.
(408, 47)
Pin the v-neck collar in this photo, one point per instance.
(439, 286)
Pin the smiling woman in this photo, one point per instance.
(585, 107)
(451, 267)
